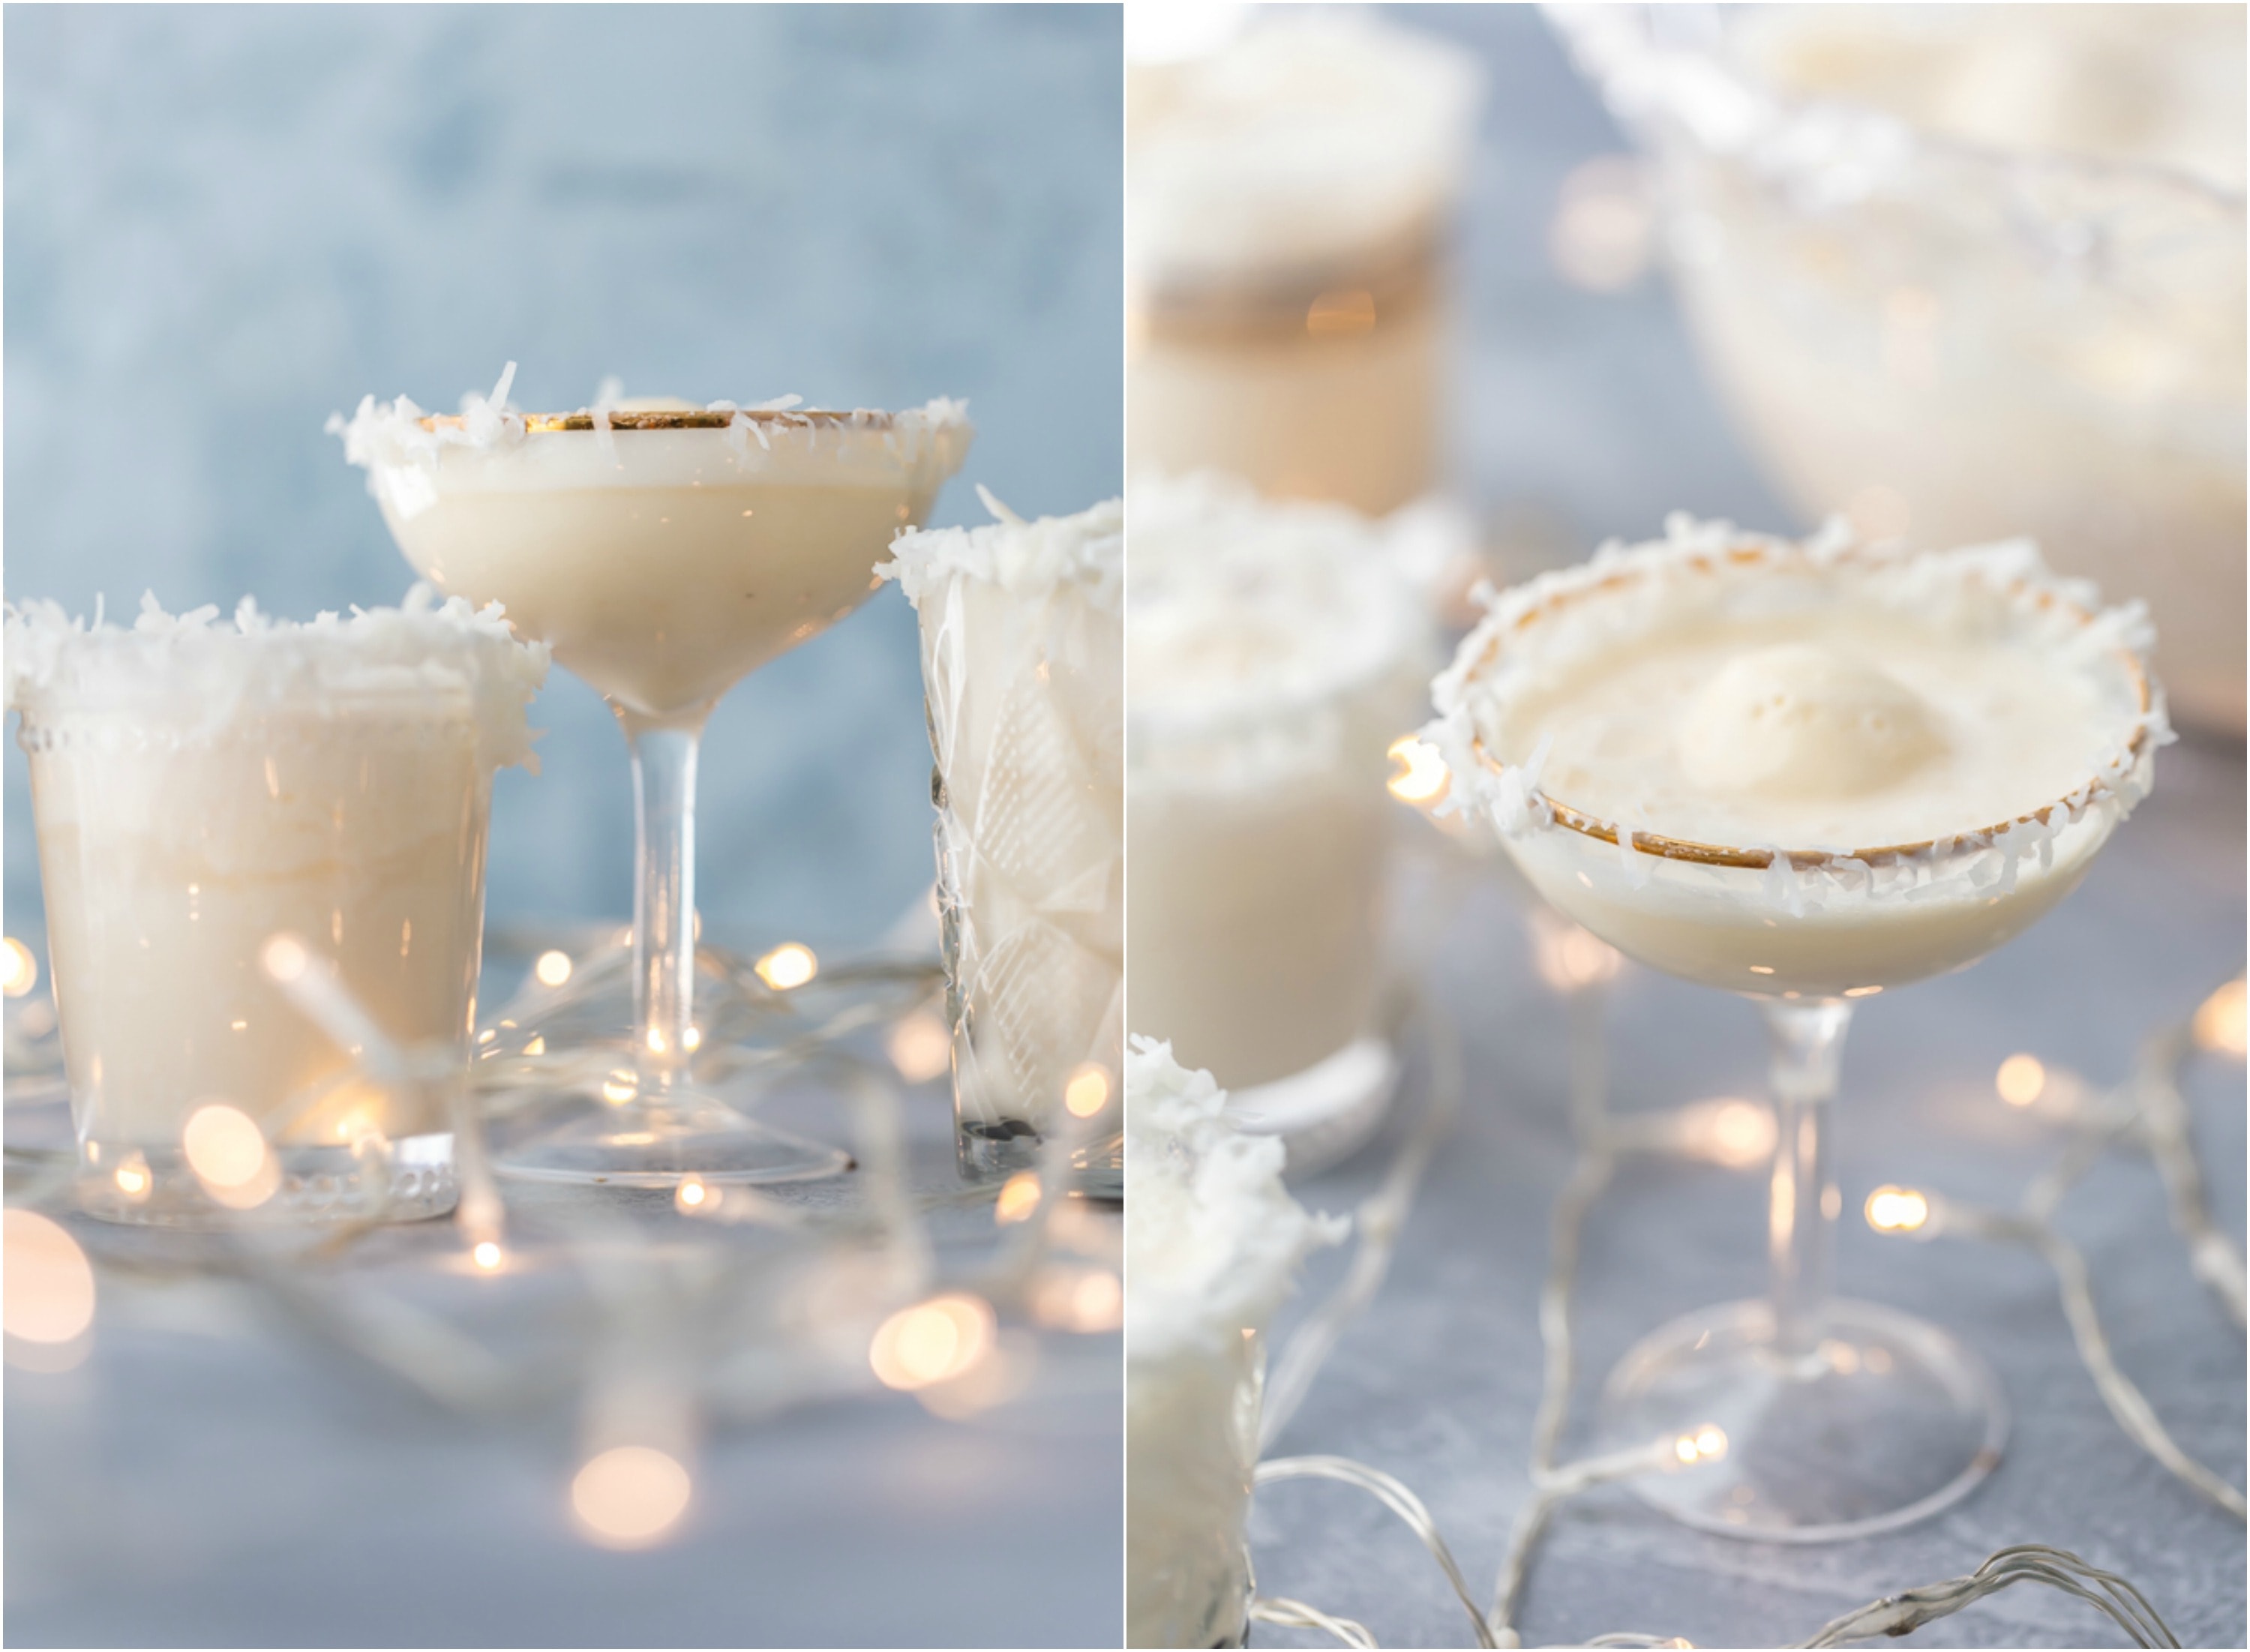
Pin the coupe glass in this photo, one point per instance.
(664, 552)
(1843, 1418)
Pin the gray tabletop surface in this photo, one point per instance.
(1438, 1382)
(214, 1474)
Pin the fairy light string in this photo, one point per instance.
(770, 1372)
(679, 1342)
(2148, 1111)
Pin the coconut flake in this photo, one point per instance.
(1086, 550)
(1213, 1238)
(189, 671)
(1633, 581)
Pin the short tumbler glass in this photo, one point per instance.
(1024, 681)
(199, 794)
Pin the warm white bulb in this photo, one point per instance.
(48, 1287)
(1422, 776)
(2020, 1080)
(631, 1496)
(284, 959)
(19, 970)
(788, 965)
(1019, 1196)
(1088, 1092)
(1897, 1210)
(2222, 1022)
(932, 1342)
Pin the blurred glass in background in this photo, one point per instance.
(1964, 272)
(1291, 182)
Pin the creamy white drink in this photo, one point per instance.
(1287, 195)
(1212, 1240)
(663, 552)
(200, 789)
(1023, 673)
(1275, 652)
(1836, 769)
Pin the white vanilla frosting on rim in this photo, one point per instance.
(1244, 608)
(1213, 1238)
(1026, 558)
(1306, 140)
(1734, 699)
(492, 445)
(191, 673)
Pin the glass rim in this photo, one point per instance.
(152, 709)
(1690, 849)
(674, 419)
(1596, 50)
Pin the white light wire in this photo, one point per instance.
(2156, 1119)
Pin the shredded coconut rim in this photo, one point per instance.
(194, 668)
(399, 435)
(1510, 794)
(1316, 585)
(1028, 558)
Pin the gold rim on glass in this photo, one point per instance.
(672, 419)
(1802, 859)
(1332, 301)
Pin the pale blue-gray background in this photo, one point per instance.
(224, 223)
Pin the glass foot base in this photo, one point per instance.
(154, 1187)
(992, 1151)
(1327, 1113)
(643, 1145)
(1889, 1421)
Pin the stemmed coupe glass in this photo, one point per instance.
(663, 552)
(1843, 1418)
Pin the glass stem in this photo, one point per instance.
(664, 895)
(1807, 1043)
